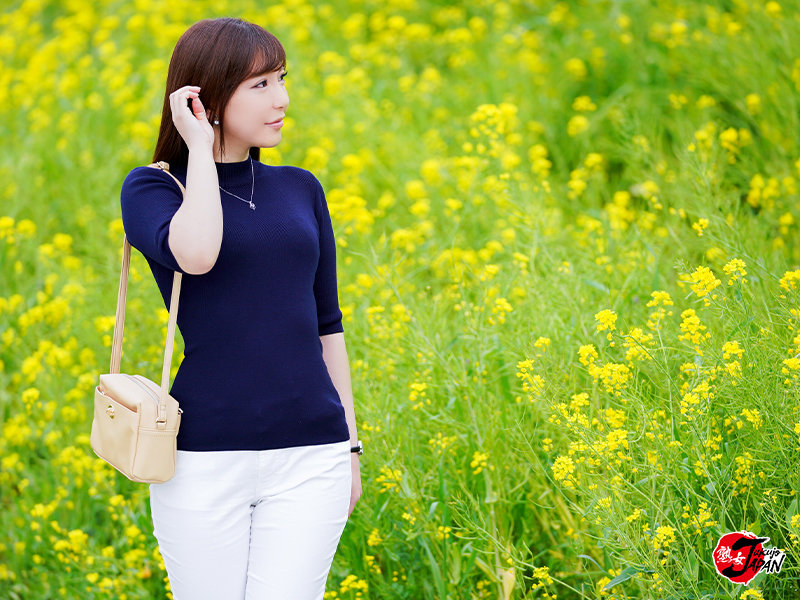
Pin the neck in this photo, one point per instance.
(230, 157)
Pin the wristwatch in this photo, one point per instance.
(359, 447)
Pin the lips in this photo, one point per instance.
(275, 121)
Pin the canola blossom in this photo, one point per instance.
(567, 246)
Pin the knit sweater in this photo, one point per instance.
(252, 376)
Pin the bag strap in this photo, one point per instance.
(119, 324)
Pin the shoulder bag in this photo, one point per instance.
(136, 421)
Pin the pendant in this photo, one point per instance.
(252, 206)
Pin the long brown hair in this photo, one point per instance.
(216, 55)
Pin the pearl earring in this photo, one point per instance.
(216, 122)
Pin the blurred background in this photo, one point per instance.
(568, 266)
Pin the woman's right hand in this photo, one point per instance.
(192, 124)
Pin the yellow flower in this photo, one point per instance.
(702, 281)
(587, 354)
(773, 9)
(352, 582)
(415, 189)
(418, 394)
(62, 242)
(578, 401)
(700, 226)
(637, 343)
(374, 538)
(577, 125)
(480, 460)
(699, 519)
(563, 469)
(389, 479)
(441, 442)
(615, 418)
(731, 348)
(542, 576)
(742, 476)
(793, 363)
(501, 308)
(606, 319)
(540, 164)
(664, 536)
(705, 101)
(583, 104)
(576, 67)
(736, 270)
(532, 384)
(790, 280)
(753, 416)
(6, 227)
(26, 228)
(734, 369)
(660, 297)
(753, 103)
(636, 514)
(594, 162)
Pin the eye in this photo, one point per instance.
(283, 77)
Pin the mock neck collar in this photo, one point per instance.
(229, 174)
(235, 173)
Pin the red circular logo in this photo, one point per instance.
(739, 556)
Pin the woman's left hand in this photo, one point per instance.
(355, 488)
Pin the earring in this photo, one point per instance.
(216, 122)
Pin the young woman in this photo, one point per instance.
(268, 455)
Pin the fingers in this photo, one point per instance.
(197, 108)
(177, 99)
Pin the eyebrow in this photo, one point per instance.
(265, 73)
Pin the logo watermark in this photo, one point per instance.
(740, 556)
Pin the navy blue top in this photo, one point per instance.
(253, 376)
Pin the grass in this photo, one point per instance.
(568, 268)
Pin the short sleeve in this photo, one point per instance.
(149, 199)
(329, 315)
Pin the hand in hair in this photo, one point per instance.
(192, 124)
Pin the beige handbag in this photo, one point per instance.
(136, 422)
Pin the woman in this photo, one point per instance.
(268, 455)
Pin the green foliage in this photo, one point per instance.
(567, 250)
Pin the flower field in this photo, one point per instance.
(568, 249)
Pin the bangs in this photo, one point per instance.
(266, 58)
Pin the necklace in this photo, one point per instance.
(252, 206)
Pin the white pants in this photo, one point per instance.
(252, 524)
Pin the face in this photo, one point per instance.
(256, 102)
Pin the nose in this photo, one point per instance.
(280, 99)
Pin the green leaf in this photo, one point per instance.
(596, 284)
(693, 564)
(436, 572)
(626, 574)
(791, 511)
(587, 557)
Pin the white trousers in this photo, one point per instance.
(252, 524)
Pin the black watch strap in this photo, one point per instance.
(359, 447)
